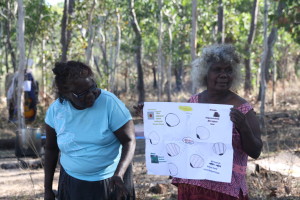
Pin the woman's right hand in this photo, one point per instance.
(139, 109)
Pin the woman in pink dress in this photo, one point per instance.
(219, 72)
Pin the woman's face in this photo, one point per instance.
(219, 76)
(83, 93)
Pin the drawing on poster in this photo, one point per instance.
(156, 159)
(173, 169)
(188, 140)
(154, 138)
(202, 133)
(196, 161)
(172, 120)
(219, 148)
(172, 149)
(150, 115)
(216, 114)
(192, 141)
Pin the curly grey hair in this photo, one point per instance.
(213, 54)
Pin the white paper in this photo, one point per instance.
(27, 86)
(188, 140)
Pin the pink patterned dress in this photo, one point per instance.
(237, 188)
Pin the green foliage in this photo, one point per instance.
(42, 23)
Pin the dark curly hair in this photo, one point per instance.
(68, 72)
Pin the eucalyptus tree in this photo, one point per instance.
(221, 22)
(170, 21)
(194, 44)
(273, 36)
(263, 65)
(66, 27)
(138, 50)
(160, 53)
(8, 19)
(181, 48)
(21, 63)
(248, 77)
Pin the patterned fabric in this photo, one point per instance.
(192, 192)
(240, 158)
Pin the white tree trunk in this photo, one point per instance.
(169, 69)
(113, 84)
(21, 46)
(89, 49)
(263, 65)
(44, 68)
(194, 44)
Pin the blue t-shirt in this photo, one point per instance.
(89, 149)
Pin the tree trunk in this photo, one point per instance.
(33, 35)
(178, 76)
(274, 84)
(21, 47)
(138, 51)
(169, 69)
(248, 77)
(113, 81)
(194, 44)
(8, 33)
(160, 53)
(221, 29)
(272, 39)
(262, 67)
(44, 68)
(66, 30)
(154, 77)
(89, 49)
(102, 45)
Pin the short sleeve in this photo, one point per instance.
(193, 99)
(245, 108)
(119, 115)
(49, 118)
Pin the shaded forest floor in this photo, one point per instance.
(275, 175)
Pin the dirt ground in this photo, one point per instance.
(275, 175)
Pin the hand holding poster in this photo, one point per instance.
(192, 141)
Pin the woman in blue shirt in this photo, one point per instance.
(94, 134)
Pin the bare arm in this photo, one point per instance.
(126, 136)
(51, 157)
(248, 127)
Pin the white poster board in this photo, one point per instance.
(188, 140)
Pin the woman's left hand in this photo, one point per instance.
(248, 127)
(238, 118)
(117, 183)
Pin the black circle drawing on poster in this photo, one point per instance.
(172, 120)
(196, 161)
(202, 133)
(219, 148)
(154, 138)
(172, 169)
(173, 149)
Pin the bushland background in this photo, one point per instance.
(142, 51)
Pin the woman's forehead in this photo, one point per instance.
(81, 83)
